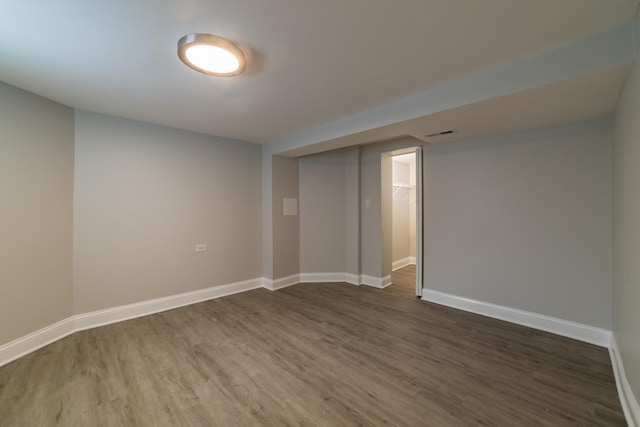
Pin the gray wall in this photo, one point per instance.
(386, 216)
(352, 210)
(36, 219)
(376, 244)
(338, 233)
(524, 220)
(626, 224)
(286, 228)
(144, 196)
(323, 213)
(371, 216)
(521, 220)
(267, 215)
(330, 212)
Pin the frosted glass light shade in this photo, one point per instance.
(211, 55)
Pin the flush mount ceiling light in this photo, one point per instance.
(211, 55)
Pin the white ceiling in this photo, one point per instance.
(311, 61)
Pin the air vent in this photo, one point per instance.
(444, 132)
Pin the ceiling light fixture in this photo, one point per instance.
(211, 55)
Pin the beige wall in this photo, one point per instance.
(323, 213)
(144, 196)
(400, 172)
(401, 227)
(286, 228)
(524, 221)
(412, 212)
(626, 225)
(36, 190)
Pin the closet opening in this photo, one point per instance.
(406, 220)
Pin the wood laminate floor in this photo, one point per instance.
(314, 355)
(405, 278)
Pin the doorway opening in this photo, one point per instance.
(406, 219)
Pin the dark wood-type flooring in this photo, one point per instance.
(314, 355)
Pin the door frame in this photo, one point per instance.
(419, 213)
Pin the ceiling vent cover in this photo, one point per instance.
(441, 133)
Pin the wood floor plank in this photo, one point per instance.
(312, 355)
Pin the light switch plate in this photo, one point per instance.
(201, 247)
(290, 206)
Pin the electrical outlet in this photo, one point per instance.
(201, 247)
(367, 203)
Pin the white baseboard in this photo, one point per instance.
(627, 398)
(403, 262)
(157, 305)
(386, 281)
(578, 331)
(323, 277)
(38, 339)
(282, 282)
(24, 345)
(354, 279)
(376, 282)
